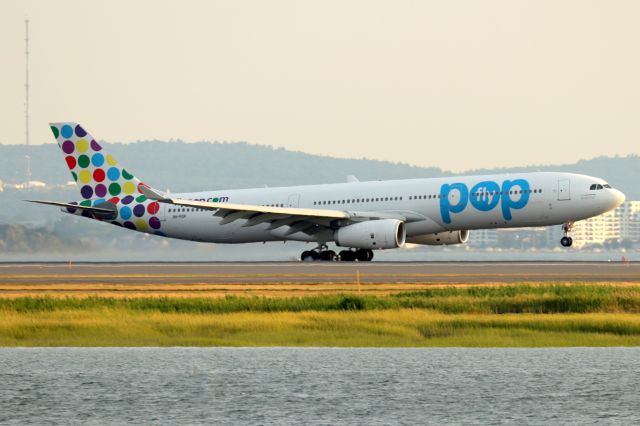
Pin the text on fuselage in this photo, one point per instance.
(484, 196)
(212, 199)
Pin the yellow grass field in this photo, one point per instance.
(385, 328)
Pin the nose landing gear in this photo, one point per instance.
(566, 241)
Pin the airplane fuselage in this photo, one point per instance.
(431, 205)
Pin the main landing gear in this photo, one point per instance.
(361, 255)
(321, 253)
(566, 241)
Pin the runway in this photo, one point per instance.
(425, 273)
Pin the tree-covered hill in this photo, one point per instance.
(183, 166)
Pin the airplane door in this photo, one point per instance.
(294, 200)
(162, 211)
(564, 189)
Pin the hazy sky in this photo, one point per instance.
(455, 84)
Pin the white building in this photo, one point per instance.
(622, 223)
(630, 220)
(483, 237)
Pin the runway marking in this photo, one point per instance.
(311, 274)
(308, 264)
(373, 275)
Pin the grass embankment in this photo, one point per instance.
(520, 315)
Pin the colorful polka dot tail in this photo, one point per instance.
(103, 182)
(96, 172)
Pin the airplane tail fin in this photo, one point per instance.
(100, 177)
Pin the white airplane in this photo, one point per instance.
(358, 216)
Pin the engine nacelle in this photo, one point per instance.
(440, 238)
(373, 234)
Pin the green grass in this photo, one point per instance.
(580, 298)
(506, 316)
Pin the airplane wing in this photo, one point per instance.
(298, 219)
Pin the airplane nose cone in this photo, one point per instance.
(618, 197)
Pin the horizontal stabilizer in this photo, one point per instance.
(70, 206)
(103, 211)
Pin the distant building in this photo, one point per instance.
(483, 238)
(31, 184)
(614, 226)
(630, 221)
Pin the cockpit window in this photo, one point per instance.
(597, 186)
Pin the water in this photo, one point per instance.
(319, 386)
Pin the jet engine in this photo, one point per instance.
(373, 234)
(440, 238)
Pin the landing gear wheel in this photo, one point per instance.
(308, 256)
(364, 255)
(327, 255)
(347, 256)
(567, 241)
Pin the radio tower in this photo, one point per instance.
(26, 101)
